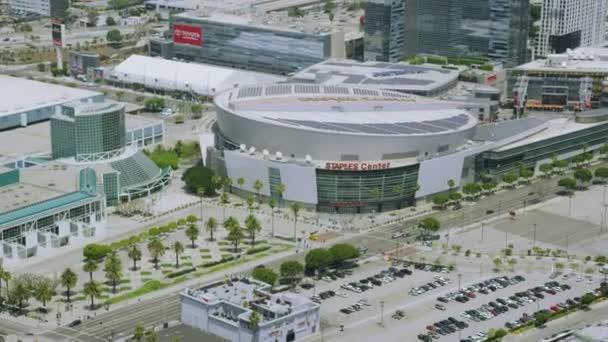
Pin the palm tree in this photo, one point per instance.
(250, 203)
(231, 222)
(44, 290)
(217, 182)
(192, 234)
(451, 185)
(224, 201)
(90, 266)
(200, 192)
(6, 277)
(295, 209)
(139, 332)
(211, 226)
(241, 182)
(68, 280)
(280, 188)
(134, 254)
(113, 269)
(21, 293)
(252, 226)
(178, 248)
(258, 185)
(151, 336)
(254, 321)
(272, 203)
(235, 235)
(156, 249)
(228, 184)
(92, 290)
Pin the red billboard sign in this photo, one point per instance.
(189, 35)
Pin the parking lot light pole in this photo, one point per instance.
(534, 243)
(482, 226)
(382, 313)
(459, 279)
(506, 239)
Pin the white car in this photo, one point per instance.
(327, 279)
(589, 281)
(356, 290)
(579, 279)
(341, 294)
(398, 235)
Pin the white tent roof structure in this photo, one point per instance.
(202, 79)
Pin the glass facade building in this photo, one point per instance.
(384, 30)
(499, 162)
(88, 132)
(494, 29)
(367, 191)
(247, 46)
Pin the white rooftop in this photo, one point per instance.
(202, 79)
(345, 109)
(588, 59)
(379, 75)
(21, 95)
(553, 128)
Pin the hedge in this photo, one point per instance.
(180, 273)
(257, 250)
(215, 263)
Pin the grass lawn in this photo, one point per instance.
(145, 273)
(205, 256)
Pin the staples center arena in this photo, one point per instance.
(350, 149)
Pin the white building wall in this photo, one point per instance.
(300, 181)
(560, 17)
(42, 7)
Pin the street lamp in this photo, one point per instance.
(534, 244)
(482, 226)
(382, 313)
(459, 279)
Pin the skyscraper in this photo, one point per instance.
(384, 30)
(494, 29)
(567, 24)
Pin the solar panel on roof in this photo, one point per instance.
(363, 128)
(335, 90)
(461, 119)
(422, 127)
(445, 123)
(397, 128)
(281, 89)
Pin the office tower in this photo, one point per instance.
(509, 22)
(567, 24)
(384, 30)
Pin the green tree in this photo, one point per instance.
(43, 290)
(341, 252)
(110, 21)
(266, 275)
(525, 172)
(20, 293)
(216, 181)
(90, 266)
(587, 299)
(211, 226)
(178, 249)
(156, 250)
(292, 270)
(68, 280)
(560, 165)
(254, 320)
(546, 168)
(41, 67)
(114, 36)
(192, 234)
(540, 319)
(497, 263)
(92, 290)
(318, 259)
(257, 186)
(151, 336)
(113, 270)
(250, 203)
(456, 196)
(95, 251)
(510, 179)
(583, 176)
(134, 253)
(280, 188)
(5, 276)
(154, 104)
(471, 189)
(601, 173)
(489, 186)
(138, 332)
(295, 210)
(241, 182)
(272, 204)
(231, 222)
(252, 227)
(228, 184)
(441, 200)
(568, 184)
(199, 177)
(451, 184)
(235, 235)
(429, 224)
(604, 151)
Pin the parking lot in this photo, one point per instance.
(419, 311)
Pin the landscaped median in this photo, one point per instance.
(541, 317)
(198, 271)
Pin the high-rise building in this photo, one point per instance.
(567, 24)
(384, 30)
(53, 8)
(493, 29)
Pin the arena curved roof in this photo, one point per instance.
(345, 109)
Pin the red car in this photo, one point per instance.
(551, 291)
(430, 328)
(554, 308)
(471, 295)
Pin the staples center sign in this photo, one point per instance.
(357, 166)
(189, 35)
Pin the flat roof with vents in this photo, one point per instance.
(345, 109)
(21, 95)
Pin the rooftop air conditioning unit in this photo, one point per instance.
(278, 155)
(308, 159)
(251, 150)
(243, 148)
(265, 153)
